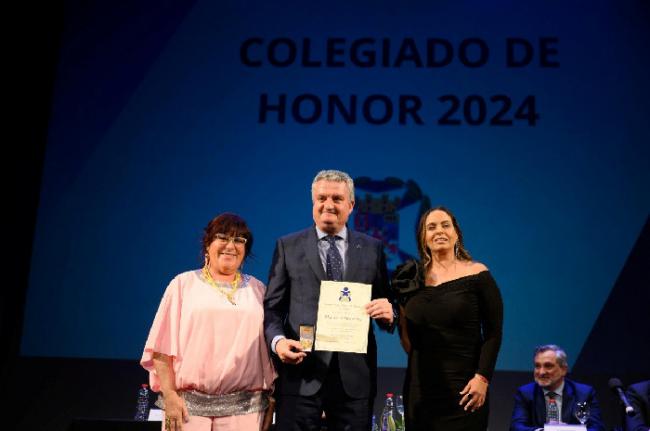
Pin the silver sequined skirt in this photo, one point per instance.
(237, 403)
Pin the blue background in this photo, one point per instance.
(154, 130)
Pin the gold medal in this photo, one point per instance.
(306, 337)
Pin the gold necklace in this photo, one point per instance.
(219, 286)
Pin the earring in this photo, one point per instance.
(456, 249)
(206, 260)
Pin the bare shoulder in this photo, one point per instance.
(476, 267)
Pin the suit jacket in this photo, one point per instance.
(292, 299)
(639, 396)
(529, 412)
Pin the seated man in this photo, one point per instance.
(638, 395)
(532, 401)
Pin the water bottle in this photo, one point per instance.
(399, 405)
(553, 412)
(142, 410)
(374, 426)
(388, 414)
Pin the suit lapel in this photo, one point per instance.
(311, 251)
(567, 403)
(353, 256)
(540, 405)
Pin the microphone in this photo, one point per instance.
(616, 386)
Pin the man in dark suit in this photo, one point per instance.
(343, 385)
(533, 402)
(638, 395)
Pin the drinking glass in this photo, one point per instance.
(582, 412)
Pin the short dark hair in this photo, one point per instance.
(229, 224)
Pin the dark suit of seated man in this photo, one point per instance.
(341, 384)
(638, 395)
(531, 410)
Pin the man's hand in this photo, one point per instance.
(289, 351)
(380, 309)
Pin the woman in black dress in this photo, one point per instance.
(450, 327)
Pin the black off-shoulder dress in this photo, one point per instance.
(455, 331)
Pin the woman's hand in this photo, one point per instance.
(175, 412)
(474, 393)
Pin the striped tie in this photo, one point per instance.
(552, 412)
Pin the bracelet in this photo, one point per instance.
(482, 378)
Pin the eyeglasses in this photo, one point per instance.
(225, 239)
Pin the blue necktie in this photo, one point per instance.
(334, 262)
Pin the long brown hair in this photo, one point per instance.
(425, 254)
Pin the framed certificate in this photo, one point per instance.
(342, 322)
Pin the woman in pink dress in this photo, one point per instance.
(206, 353)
